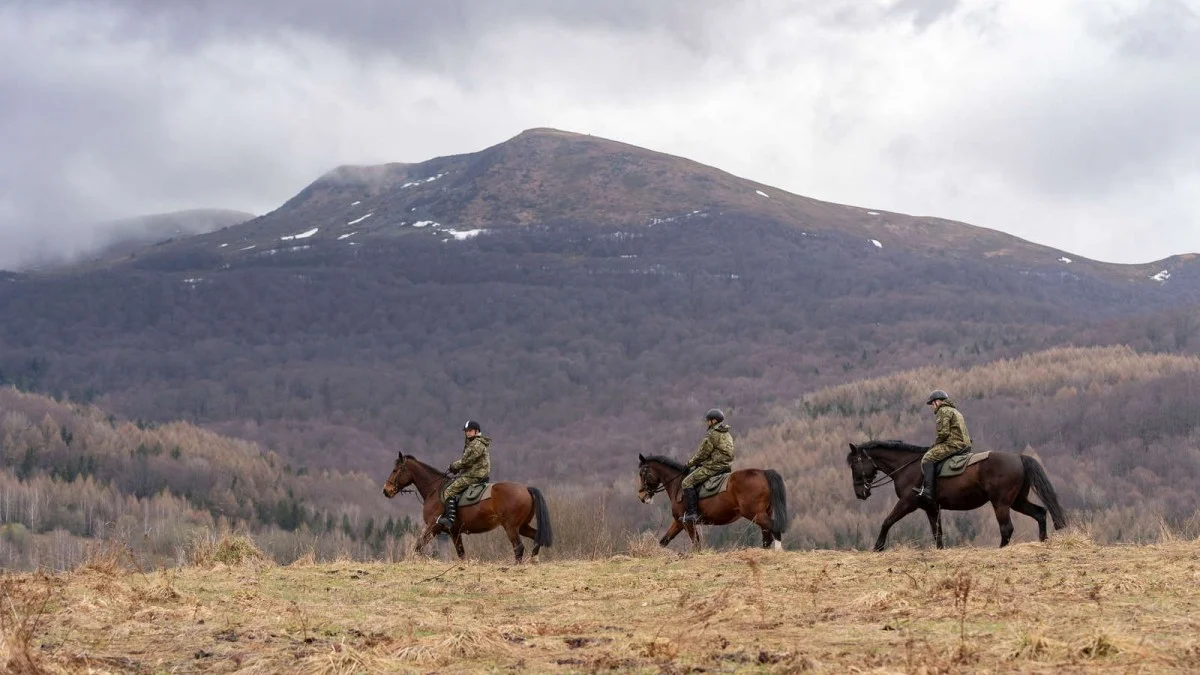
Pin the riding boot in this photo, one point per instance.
(691, 501)
(449, 514)
(929, 475)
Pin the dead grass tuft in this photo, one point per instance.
(23, 614)
(208, 550)
(1098, 646)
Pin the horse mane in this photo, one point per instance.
(419, 462)
(900, 446)
(673, 464)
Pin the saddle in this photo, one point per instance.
(475, 493)
(711, 487)
(956, 464)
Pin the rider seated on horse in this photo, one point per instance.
(475, 466)
(714, 457)
(952, 438)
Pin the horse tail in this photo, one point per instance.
(545, 533)
(1036, 477)
(779, 514)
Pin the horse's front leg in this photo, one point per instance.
(672, 532)
(458, 546)
(935, 524)
(902, 508)
(429, 533)
(694, 535)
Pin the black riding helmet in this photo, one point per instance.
(937, 395)
(715, 415)
(472, 424)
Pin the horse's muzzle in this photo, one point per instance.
(389, 490)
(862, 492)
(645, 497)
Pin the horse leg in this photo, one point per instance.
(458, 546)
(430, 531)
(530, 533)
(764, 523)
(514, 536)
(1033, 511)
(935, 524)
(903, 508)
(694, 534)
(1005, 521)
(672, 532)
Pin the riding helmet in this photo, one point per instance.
(472, 424)
(715, 414)
(937, 395)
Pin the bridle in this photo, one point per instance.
(888, 477)
(662, 485)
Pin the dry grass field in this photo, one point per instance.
(1065, 606)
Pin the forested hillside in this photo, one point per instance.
(69, 473)
(1118, 433)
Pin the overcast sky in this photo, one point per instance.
(1074, 123)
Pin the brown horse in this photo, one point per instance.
(1003, 479)
(512, 506)
(756, 495)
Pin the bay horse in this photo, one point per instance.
(754, 494)
(1003, 479)
(512, 506)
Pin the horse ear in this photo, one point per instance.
(853, 448)
(401, 456)
(641, 458)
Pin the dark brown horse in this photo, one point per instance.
(1003, 479)
(756, 495)
(512, 506)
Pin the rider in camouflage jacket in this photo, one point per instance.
(952, 438)
(714, 457)
(475, 466)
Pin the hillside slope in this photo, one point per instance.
(571, 308)
(1117, 431)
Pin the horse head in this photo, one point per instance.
(399, 479)
(863, 469)
(649, 482)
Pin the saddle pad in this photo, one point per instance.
(959, 463)
(713, 486)
(475, 494)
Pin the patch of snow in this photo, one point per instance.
(354, 243)
(763, 194)
(248, 247)
(872, 213)
(222, 245)
(355, 203)
(359, 220)
(1065, 259)
(735, 276)
(1162, 276)
(463, 234)
(422, 181)
(302, 235)
(876, 243)
(193, 280)
(299, 248)
(628, 256)
(346, 236)
(426, 223)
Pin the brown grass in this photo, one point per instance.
(1065, 606)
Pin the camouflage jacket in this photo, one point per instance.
(716, 450)
(951, 427)
(475, 462)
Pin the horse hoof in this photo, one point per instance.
(533, 560)
(777, 545)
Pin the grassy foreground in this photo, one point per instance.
(1064, 606)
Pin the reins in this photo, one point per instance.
(888, 477)
(663, 485)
